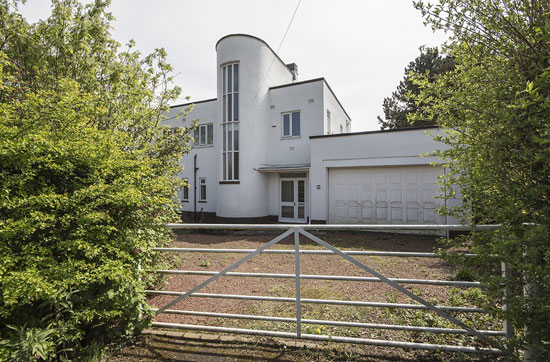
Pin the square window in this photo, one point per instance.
(291, 124)
(204, 135)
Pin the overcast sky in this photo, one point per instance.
(360, 47)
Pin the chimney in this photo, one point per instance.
(294, 70)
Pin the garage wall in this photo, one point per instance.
(399, 150)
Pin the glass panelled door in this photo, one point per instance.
(293, 200)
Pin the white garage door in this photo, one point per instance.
(384, 195)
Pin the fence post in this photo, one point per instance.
(297, 270)
(507, 325)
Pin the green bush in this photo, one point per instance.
(87, 179)
(494, 110)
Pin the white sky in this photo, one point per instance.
(360, 47)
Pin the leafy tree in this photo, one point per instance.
(495, 108)
(401, 104)
(87, 179)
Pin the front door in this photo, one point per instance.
(293, 200)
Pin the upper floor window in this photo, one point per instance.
(329, 122)
(291, 124)
(230, 125)
(204, 135)
(230, 92)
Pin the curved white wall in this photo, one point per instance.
(249, 198)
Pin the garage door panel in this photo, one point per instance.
(395, 177)
(354, 213)
(367, 196)
(429, 216)
(412, 178)
(353, 197)
(381, 196)
(397, 215)
(382, 215)
(367, 213)
(413, 215)
(396, 195)
(354, 179)
(366, 179)
(380, 178)
(384, 195)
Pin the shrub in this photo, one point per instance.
(87, 179)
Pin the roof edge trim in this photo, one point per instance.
(190, 103)
(374, 132)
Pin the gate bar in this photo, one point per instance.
(361, 227)
(398, 327)
(316, 301)
(309, 251)
(453, 283)
(316, 337)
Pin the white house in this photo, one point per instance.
(272, 148)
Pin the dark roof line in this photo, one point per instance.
(256, 38)
(311, 81)
(188, 104)
(373, 132)
(297, 83)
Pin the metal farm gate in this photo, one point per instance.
(492, 338)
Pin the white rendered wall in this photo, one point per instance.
(307, 98)
(273, 193)
(400, 148)
(249, 198)
(207, 156)
(337, 114)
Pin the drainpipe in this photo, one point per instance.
(195, 169)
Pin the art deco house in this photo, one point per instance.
(272, 147)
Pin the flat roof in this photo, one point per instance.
(373, 132)
(312, 81)
(190, 103)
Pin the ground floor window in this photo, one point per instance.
(202, 189)
(185, 196)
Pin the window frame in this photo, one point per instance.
(291, 124)
(329, 122)
(230, 84)
(185, 191)
(202, 129)
(202, 196)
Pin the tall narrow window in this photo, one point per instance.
(329, 123)
(185, 196)
(202, 189)
(291, 124)
(230, 124)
